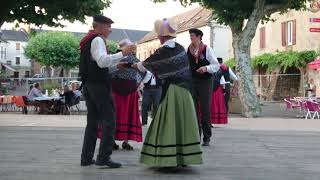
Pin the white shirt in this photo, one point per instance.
(149, 76)
(214, 64)
(232, 76)
(170, 43)
(99, 54)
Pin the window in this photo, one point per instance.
(5, 53)
(288, 34)
(262, 38)
(17, 60)
(27, 74)
(17, 46)
(9, 62)
(1, 52)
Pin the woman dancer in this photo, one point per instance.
(173, 136)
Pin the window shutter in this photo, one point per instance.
(262, 37)
(284, 33)
(294, 32)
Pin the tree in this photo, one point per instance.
(49, 12)
(243, 17)
(112, 46)
(57, 49)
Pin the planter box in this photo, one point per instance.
(235, 105)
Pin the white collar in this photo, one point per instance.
(171, 43)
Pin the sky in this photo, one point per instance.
(129, 14)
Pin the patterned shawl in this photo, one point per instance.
(170, 65)
(125, 81)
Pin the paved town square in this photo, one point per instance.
(48, 147)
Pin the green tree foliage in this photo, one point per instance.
(58, 49)
(231, 63)
(49, 12)
(112, 46)
(284, 60)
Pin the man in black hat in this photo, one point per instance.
(94, 64)
(203, 64)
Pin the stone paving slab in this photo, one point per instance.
(45, 153)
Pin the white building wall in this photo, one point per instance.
(222, 43)
(4, 49)
(12, 53)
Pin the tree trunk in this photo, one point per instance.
(247, 90)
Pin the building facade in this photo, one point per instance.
(216, 36)
(14, 62)
(293, 31)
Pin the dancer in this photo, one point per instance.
(227, 76)
(173, 137)
(125, 83)
(151, 96)
(218, 109)
(203, 64)
(94, 64)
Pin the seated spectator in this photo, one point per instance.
(75, 89)
(35, 92)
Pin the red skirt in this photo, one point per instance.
(128, 124)
(218, 109)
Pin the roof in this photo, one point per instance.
(8, 67)
(194, 18)
(14, 35)
(116, 35)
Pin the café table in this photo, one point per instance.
(51, 104)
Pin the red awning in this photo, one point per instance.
(315, 64)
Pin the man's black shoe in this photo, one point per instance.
(107, 164)
(87, 163)
(206, 143)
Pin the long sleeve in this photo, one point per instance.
(147, 77)
(233, 76)
(222, 81)
(99, 54)
(214, 64)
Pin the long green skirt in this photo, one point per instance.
(173, 136)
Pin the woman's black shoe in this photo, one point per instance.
(127, 146)
(115, 146)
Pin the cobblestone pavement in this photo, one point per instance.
(34, 147)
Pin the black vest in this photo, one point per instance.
(148, 84)
(226, 75)
(89, 70)
(195, 66)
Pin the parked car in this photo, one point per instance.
(36, 78)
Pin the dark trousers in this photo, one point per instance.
(227, 96)
(202, 91)
(151, 96)
(100, 110)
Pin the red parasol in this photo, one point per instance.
(315, 64)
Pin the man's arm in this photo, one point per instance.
(233, 76)
(99, 54)
(214, 64)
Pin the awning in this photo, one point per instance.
(8, 67)
(315, 64)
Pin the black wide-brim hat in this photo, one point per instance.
(102, 19)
